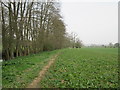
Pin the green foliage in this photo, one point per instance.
(84, 68)
(21, 71)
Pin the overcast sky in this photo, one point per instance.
(94, 21)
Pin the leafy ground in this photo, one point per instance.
(73, 68)
(21, 71)
(84, 68)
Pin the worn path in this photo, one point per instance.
(35, 82)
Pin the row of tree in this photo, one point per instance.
(32, 27)
(116, 45)
(110, 45)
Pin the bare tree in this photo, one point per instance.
(32, 27)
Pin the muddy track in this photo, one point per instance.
(35, 82)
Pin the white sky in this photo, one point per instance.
(94, 21)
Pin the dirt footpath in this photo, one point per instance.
(35, 82)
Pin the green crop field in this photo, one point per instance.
(73, 68)
(84, 68)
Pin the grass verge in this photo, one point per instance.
(19, 72)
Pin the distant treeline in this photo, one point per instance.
(32, 27)
(110, 45)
